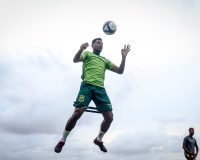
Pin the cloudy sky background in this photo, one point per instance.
(155, 101)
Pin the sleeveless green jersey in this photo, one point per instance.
(94, 67)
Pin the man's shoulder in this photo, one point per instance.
(87, 52)
(186, 138)
(189, 138)
(104, 58)
(91, 54)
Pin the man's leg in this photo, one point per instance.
(189, 157)
(69, 126)
(108, 118)
(74, 118)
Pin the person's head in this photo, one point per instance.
(97, 45)
(191, 131)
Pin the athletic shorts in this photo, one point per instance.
(97, 94)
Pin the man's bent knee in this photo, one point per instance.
(77, 113)
(108, 117)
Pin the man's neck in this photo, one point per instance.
(96, 52)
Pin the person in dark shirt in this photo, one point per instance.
(190, 146)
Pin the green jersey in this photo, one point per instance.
(94, 68)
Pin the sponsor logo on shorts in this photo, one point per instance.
(81, 98)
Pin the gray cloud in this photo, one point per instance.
(33, 88)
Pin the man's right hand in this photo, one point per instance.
(84, 46)
(78, 54)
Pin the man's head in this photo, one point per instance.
(191, 131)
(97, 45)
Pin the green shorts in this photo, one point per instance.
(90, 92)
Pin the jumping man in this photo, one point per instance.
(92, 89)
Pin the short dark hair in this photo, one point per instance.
(191, 128)
(94, 40)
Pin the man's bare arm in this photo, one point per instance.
(78, 54)
(121, 67)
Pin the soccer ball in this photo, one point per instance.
(109, 27)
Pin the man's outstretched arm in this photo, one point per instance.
(78, 54)
(121, 67)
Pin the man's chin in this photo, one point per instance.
(97, 52)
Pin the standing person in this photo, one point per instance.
(190, 146)
(92, 88)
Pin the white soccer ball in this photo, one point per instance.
(109, 27)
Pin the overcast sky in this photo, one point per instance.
(154, 102)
